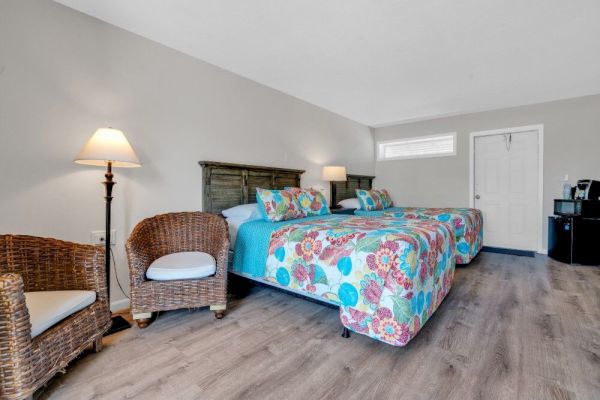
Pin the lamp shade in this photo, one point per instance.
(334, 173)
(108, 145)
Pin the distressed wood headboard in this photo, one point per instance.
(347, 190)
(227, 185)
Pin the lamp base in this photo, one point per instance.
(118, 324)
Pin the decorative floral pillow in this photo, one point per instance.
(369, 200)
(278, 205)
(386, 198)
(311, 201)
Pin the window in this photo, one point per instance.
(417, 147)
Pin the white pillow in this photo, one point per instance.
(245, 211)
(350, 203)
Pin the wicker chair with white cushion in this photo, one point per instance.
(53, 304)
(178, 260)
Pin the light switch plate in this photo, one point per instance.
(98, 238)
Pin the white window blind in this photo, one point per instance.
(417, 147)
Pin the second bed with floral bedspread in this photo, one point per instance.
(387, 275)
(466, 222)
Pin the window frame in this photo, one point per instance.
(439, 135)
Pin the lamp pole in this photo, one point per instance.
(108, 183)
(118, 323)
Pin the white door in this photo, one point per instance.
(506, 189)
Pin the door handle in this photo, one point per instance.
(477, 196)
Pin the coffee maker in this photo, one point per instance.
(587, 189)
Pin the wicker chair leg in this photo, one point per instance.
(219, 310)
(142, 319)
(98, 345)
(143, 322)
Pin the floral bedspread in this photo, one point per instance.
(466, 222)
(388, 275)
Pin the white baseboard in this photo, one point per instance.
(543, 251)
(119, 305)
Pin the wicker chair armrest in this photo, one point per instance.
(217, 243)
(139, 258)
(88, 261)
(91, 260)
(219, 249)
(16, 366)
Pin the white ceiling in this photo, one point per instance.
(381, 61)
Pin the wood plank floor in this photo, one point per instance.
(511, 328)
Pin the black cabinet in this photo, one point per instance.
(349, 211)
(574, 240)
(560, 239)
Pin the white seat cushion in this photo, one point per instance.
(184, 265)
(48, 308)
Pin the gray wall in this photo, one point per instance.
(571, 146)
(64, 74)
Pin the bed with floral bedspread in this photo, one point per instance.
(388, 275)
(466, 222)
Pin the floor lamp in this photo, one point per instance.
(109, 148)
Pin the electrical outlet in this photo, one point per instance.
(98, 238)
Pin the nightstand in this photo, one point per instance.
(349, 211)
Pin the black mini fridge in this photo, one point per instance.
(574, 240)
(560, 239)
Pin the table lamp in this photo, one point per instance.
(109, 147)
(333, 173)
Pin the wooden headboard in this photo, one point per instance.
(227, 185)
(347, 190)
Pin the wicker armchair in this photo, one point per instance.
(30, 264)
(171, 233)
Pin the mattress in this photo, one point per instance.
(466, 222)
(387, 275)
